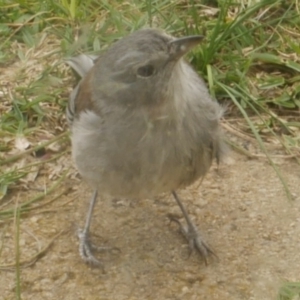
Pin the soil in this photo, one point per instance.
(240, 208)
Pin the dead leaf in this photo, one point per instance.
(21, 143)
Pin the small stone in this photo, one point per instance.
(34, 219)
(22, 242)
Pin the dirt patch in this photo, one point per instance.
(241, 210)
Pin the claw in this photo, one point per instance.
(192, 234)
(196, 242)
(85, 250)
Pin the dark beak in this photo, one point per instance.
(181, 46)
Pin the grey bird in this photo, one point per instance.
(143, 123)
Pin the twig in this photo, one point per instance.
(240, 149)
(32, 260)
(36, 148)
(24, 206)
(238, 133)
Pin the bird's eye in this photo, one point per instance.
(145, 71)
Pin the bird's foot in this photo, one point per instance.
(195, 240)
(86, 250)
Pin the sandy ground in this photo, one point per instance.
(240, 208)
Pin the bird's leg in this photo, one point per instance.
(85, 247)
(191, 233)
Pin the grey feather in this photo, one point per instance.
(138, 137)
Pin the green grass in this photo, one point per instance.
(289, 291)
(249, 58)
(17, 252)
